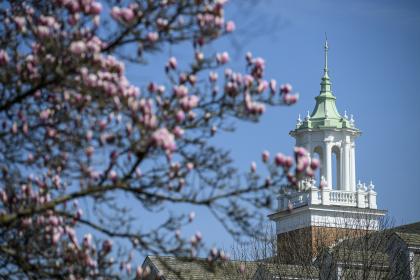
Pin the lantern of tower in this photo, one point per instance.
(331, 207)
(326, 133)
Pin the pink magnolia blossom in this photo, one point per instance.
(265, 156)
(94, 44)
(199, 56)
(191, 116)
(288, 162)
(162, 23)
(78, 47)
(309, 172)
(290, 99)
(20, 23)
(25, 128)
(248, 80)
(262, 86)
(259, 62)
(253, 167)
(182, 78)
(96, 20)
(56, 237)
(89, 135)
(254, 107)
(43, 31)
(191, 216)
(190, 166)
(3, 196)
(95, 8)
(127, 268)
(113, 175)
(4, 57)
(79, 213)
(139, 272)
(222, 58)
(273, 85)
(242, 268)
(280, 159)
(214, 252)
(127, 15)
(116, 13)
(72, 235)
(87, 240)
(193, 240)
(198, 236)
(192, 79)
(285, 88)
(45, 114)
(172, 63)
(230, 26)
(213, 77)
(73, 19)
(164, 139)
(180, 91)
(189, 102)
(302, 164)
(180, 116)
(152, 37)
(315, 163)
(248, 57)
(178, 132)
(107, 246)
(300, 151)
(213, 130)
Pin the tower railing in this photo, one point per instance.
(363, 197)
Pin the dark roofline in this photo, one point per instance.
(408, 228)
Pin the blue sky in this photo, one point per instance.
(374, 63)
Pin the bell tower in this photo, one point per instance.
(322, 213)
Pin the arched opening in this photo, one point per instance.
(336, 168)
(317, 154)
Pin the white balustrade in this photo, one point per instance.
(343, 198)
(362, 198)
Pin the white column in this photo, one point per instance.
(361, 198)
(353, 168)
(372, 199)
(328, 167)
(325, 196)
(346, 169)
(341, 179)
(314, 196)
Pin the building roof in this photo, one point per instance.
(325, 113)
(361, 256)
(410, 234)
(285, 271)
(409, 228)
(177, 268)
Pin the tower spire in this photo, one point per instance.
(325, 83)
(326, 57)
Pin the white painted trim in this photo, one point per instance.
(327, 216)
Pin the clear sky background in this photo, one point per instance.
(374, 63)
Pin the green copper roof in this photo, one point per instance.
(325, 113)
